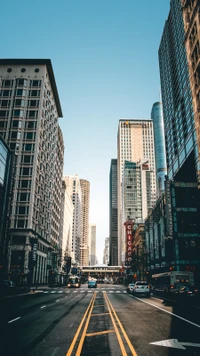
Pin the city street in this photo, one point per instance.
(101, 321)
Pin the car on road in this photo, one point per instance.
(92, 284)
(142, 288)
(129, 288)
(187, 294)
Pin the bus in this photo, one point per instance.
(168, 283)
(74, 282)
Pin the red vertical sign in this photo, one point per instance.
(129, 229)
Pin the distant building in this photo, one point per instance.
(159, 144)
(73, 187)
(106, 252)
(66, 225)
(113, 214)
(92, 244)
(135, 143)
(84, 249)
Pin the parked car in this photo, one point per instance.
(129, 288)
(92, 284)
(188, 294)
(7, 284)
(142, 288)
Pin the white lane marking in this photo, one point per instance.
(82, 291)
(53, 291)
(166, 311)
(110, 291)
(44, 306)
(11, 321)
(71, 325)
(66, 296)
(118, 291)
(57, 300)
(60, 291)
(175, 344)
(125, 291)
(55, 351)
(67, 291)
(46, 292)
(75, 291)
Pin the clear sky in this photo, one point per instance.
(105, 59)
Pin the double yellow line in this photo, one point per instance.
(116, 324)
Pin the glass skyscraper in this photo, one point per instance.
(159, 144)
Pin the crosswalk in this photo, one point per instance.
(70, 291)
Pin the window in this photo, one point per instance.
(28, 147)
(19, 102)
(21, 223)
(4, 113)
(23, 196)
(21, 82)
(27, 159)
(34, 93)
(18, 113)
(25, 171)
(5, 103)
(33, 103)
(20, 92)
(29, 135)
(7, 83)
(35, 83)
(5, 93)
(32, 114)
(24, 184)
(31, 125)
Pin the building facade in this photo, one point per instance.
(135, 143)
(84, 242)
(159, 144)
(178, 61)
(29, 112)
(7, 163)
(92, 244)
(73, 187)
(113, 214)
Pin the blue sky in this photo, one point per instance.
(105, 60)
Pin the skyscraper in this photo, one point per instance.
(159, 144)
(29, 112)
(73, 187)
(113, 214)
(135, 143)
(178, 61)
(84, 250)
(92, 244)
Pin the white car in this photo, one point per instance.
(142, 288)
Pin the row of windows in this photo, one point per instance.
(19, 92)
(21, 82)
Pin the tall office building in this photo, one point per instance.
(7, 163)
(29, 112)
(137, 191)
(73, 187)
(159, 144)
(135, 143)
(92, 244)
(191, 9)
(113, 214)
(84, 249)
(106, 252)
(178, 61)
(66, 224)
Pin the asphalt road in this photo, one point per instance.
(104, 321)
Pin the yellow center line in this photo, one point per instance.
(115, 327)
(122, 329)
(85, 328)
(80, 326)
(101, 333)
